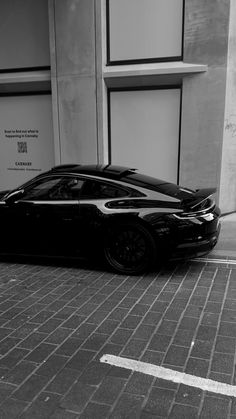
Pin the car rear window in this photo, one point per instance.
(94, 189)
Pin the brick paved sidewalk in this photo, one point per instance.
(56, 323)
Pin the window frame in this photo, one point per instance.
(130, 192)
(110, 62)
(31, 184)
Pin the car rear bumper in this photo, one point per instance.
(197, 248)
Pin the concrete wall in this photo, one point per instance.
(72, 39)
(79, 95)
(228, 167)
(205, 42)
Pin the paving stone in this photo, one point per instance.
(42, 407)
(128, 406)
(159, 342)
(228, 315)
(64, 313)
(159, 401)
(119, 372)
(52, 365)
(118, 314)
(214, 407)
(78, 396)
(227, 329)
(11, 408)
(24, 331)
(152, 318)
(4, 332)
(58, 336)
(6, 390)
(139, 384)
(222, 378)
(198, 367)
(134, 348)
(30, 388)
(41, 352)
(139, 309)
(97, 317)
(107, 327)
(63, 381)
(210, 319)
(188, 323)
(69, 347)
(34, 310)
(109, 390)
(73, 322)
(56, 305)
(159, 382)
(202, 349)
(42, 316)
(147, 299)
(189, 395)
(95, 342)
(184, 412)
(183, 337)
(33, 340)
(16, 322)
(7, 344)
(144, 332)
(84, 331)
(80, 359)
(95, 411)
(61, 413)
(153, 357)
(130, 322)
(12, 358)
(49, 326)
(94, 373)
(19, 373)
(206, 332)
(176, 355)
(222, 363)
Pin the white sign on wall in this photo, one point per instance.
(26, 138)
(145, 131)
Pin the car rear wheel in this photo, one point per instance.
(129, 248)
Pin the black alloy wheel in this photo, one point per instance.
(130, 249)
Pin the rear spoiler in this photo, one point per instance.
(198, 197)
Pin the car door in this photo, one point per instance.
(93, 213)
(55, 214)
(49, 212)
(15, 225)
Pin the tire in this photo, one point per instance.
(129, 248)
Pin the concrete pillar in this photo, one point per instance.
(205, 42)
(73, 64)
(228, 167)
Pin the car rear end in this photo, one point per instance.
(193, 222)
(197, 229)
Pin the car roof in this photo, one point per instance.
(104, 171)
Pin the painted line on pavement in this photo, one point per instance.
(223, 261)
(170, 375)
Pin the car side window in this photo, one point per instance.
(94, 189)
(57, 188)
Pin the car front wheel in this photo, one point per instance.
(129, 249)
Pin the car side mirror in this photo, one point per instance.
(14, 196)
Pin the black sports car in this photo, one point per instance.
(129, 219)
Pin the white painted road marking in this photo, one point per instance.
(223, 261)
(170, 375)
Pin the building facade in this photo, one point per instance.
(144, 83)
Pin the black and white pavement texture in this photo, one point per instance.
(57, 321)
